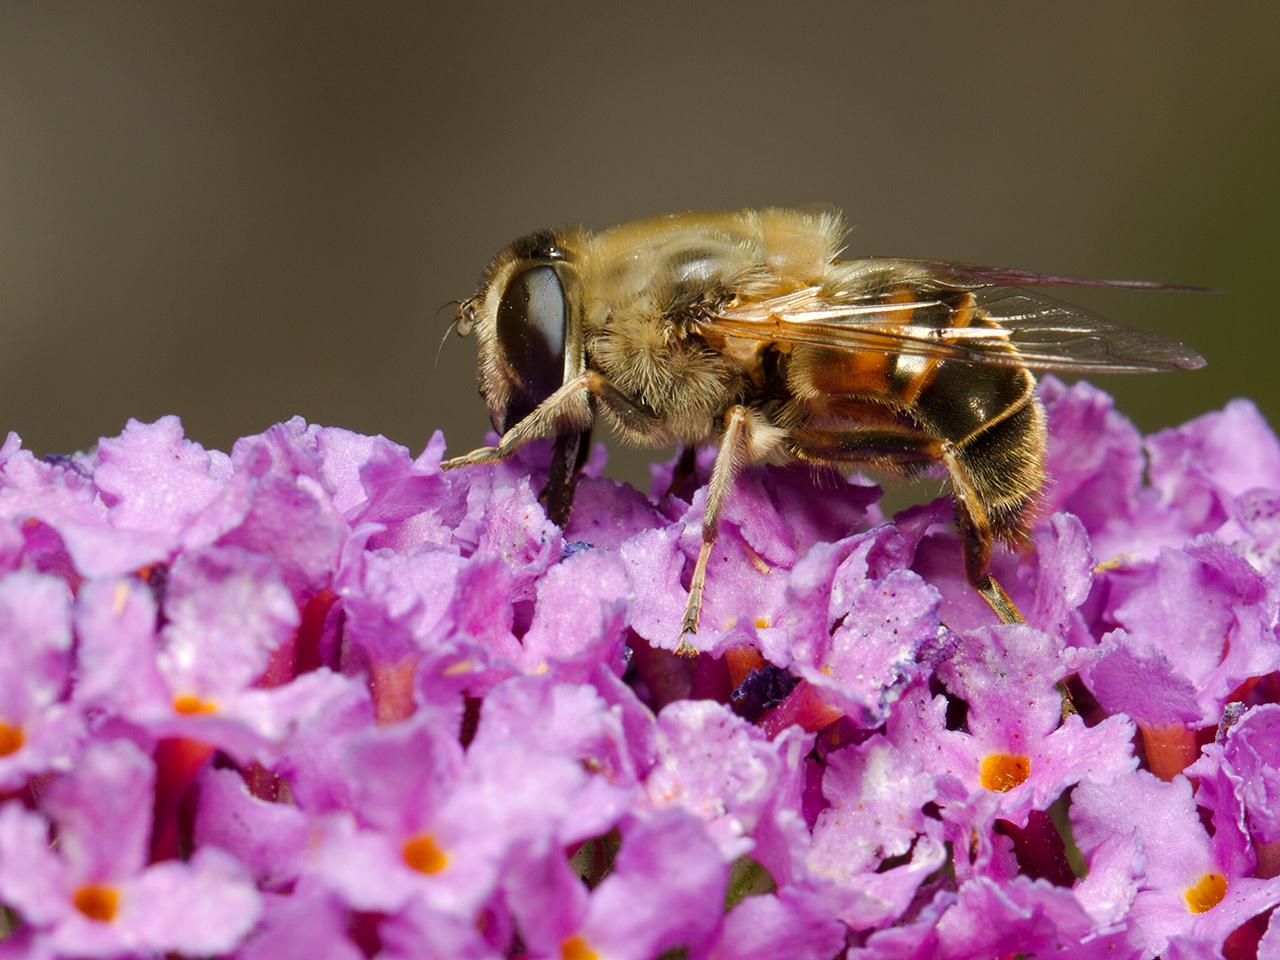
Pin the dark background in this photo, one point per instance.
(238, 212)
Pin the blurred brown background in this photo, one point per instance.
(237, 212)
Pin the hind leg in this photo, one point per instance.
(988, 507)
(898, 447)
(996, 473)
(977, 541)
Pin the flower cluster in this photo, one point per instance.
(318, 698)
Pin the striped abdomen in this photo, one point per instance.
(982, 422)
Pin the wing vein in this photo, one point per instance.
(1011, 326)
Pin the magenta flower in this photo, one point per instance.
(1204, 616)
(718, 767)
(666, 889)
(94, 895)
(875, 816)
(1014, 749)
(227, 613)
(1239, 781)
(38, 729)
(1190, 883)
(316, 697)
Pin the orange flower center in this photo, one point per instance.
(1004, 771)
(423, 854)
(11, 739)
(1206, 893)
(189, 703)
(97, 902)
(575, 948)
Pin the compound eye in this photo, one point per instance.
(531, 334)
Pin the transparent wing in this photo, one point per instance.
(972, 275)
(923, 308)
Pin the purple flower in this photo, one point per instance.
(1239, 779)
(878, 647)
(1021, 916)
(270, 839)
(717, 766)
(153, 479)
(607, 514)
(94, 895)
(309, 922)
(1094, 456)
(792, 923)
(666, 889)
(374, 481)
(1198, 622)
(1192, 884)
(1200, 467)
(600, 726)
(875, 816)
(214, 595)
(227, 612)
(275, 504)
(573, 630)
(1251, 761)
(319, 697)
(1015, 749)
(1269, 947)
(38, 728)
(433, 825)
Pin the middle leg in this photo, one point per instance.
(734, 444)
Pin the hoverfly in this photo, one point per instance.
(746, 327)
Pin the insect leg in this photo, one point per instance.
(977, 537)
(729, 457)
(883, 447)
(994, 453)
(887, 448)
(567, 410)
(566, 460)
(988, 506)
(685, 468)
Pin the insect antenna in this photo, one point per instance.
(453, 325)
(440, 349)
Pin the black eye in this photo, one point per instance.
(531, 332)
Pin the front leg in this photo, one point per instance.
(567, 414)
(566, 410)
(567, 458)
